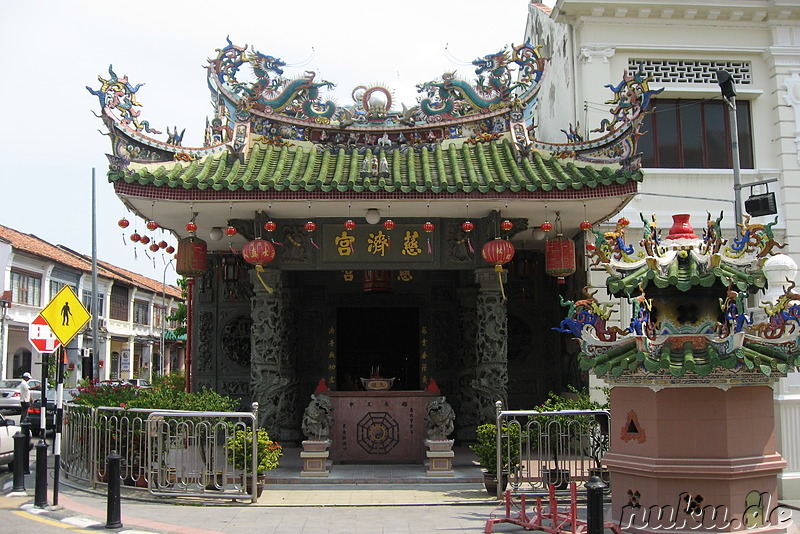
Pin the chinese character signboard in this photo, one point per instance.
(406, 243)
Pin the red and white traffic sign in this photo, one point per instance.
(41, 336)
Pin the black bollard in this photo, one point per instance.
(594, 505)
(40, 496)
(20, 452)
(113, 510)
(26, 462)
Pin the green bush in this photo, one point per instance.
(167, 393)
(486, 447)
(554, 425)
(240, 447)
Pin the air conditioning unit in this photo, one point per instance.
(101, 324)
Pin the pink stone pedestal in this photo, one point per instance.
(315, 458)
(440, 457)
(681, 457)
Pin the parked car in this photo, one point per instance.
(138, 382)
(35, 411)
(9, 393)
(7, 431)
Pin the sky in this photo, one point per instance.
(51, 139)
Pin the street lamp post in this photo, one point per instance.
(164, 313)
(725, 81)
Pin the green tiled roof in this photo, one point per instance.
(481, 167)
(627, 357)
(684, 274)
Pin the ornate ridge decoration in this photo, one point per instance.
(256, 104)
(688, 309)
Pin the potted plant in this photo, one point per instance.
(486, 450)
(240, 447)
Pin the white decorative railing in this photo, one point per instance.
(552, 447)
(168, 452)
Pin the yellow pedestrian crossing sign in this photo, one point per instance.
(66, 315)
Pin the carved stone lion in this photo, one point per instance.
(317, 418)
(439, 419)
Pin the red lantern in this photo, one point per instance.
(191, 257)
(547, 226)
(428, 227)
(162, 244)
(311, 226)
(498, 252)
(170, 249)
(123, 223)
(154, 247)
(623, 221)
(590, 246)
(388, 224)
(144, 240)
(560, 257)
(270, 226)
(586, 225)
(467, 226)
(259, 252)
(135, 237)
(349, 224)
(152, 225)
(191, 227)
(506, 225)
(230, 231)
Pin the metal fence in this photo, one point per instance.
(168, 452)
(536, 449)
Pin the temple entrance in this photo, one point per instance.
(377, 339)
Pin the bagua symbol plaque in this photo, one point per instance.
(377, 433)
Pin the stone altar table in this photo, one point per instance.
(379, 426)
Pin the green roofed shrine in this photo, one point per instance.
(427, 244)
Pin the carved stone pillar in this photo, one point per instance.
(491, 346)
(272, 364)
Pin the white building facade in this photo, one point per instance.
(135, 340)
(687, 150)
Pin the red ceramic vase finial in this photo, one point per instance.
(681, 228)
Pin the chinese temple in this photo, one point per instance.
(692, 440)
(407, 245)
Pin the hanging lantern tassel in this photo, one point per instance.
(469, 244)
(429, 228)
(499, 270)
(498, 252)
(259, 270)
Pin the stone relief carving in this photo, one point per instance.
(297, 245)
(272, 370)
(235, 388)
(205, 335)
(458, 245)
(491, 380)
(235, 341)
